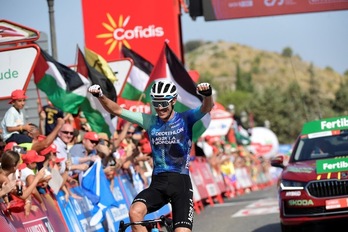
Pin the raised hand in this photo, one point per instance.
(204, 89)
(95, 90)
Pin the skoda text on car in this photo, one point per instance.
(313, 185)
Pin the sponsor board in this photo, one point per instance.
(142, 27)
(17, 65)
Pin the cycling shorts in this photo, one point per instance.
(173, 188)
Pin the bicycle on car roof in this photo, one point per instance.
(152, 225)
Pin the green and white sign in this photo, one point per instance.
(325, 127)
(16, 67)
(332, 165)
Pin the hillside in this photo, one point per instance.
(219, 61)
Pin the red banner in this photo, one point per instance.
(143, 26)
(232, 9)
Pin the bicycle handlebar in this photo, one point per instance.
(163, 219)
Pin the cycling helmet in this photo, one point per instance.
(163, 89)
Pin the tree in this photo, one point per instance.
(287, 52)
(192, 45)
(313, 97)
(244, 80)
(341, 99)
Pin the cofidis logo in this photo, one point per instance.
(118, 34)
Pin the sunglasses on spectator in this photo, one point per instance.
(68, 132)
(104, 142)
(161, 103)
(130, 132)
(94, 142)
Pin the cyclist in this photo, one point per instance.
(170, 134)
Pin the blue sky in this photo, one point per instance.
(320, 38)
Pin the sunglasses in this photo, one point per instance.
(161, 103)
(94, 142)
(104, 142)
(68, 132)
(130, 132)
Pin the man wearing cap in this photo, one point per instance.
(13, 124)
(85, 152)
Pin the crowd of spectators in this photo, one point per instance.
(241, 169)
(52, 156)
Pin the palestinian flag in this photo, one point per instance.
(97, 117)
(64, 87)
(138, 77)
(169, 67)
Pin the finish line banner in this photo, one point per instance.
(233, 9)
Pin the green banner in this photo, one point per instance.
(329, 124)
(332, 165)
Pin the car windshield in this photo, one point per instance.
(335, 145)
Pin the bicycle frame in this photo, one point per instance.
(162, 220)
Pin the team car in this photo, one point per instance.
(313, 185)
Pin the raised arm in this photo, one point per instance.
(205, 90)
(109, 105)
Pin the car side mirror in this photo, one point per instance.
(278, 162)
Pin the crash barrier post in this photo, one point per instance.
(244, 183)
(230, 189)
(222, 184)
(197, 199)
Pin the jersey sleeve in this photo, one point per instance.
(194, 115)
(142, 119)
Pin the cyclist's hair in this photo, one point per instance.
(163, 89)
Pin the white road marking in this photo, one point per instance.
(260, 207)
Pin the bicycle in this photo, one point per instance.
(153, 223)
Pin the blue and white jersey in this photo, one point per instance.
(171, 141)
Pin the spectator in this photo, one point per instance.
(27, 174)
(105, 140)
(49, 115)
(10, 163)
(54, 163)
(130, 147)
(109, 163)
(40, 141)
(105, 148)
(143, 163)
(84, 152)
(75, 139)
(119, 135)
(6, 187)
(13, 124)
(64, 137)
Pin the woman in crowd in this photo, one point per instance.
(10, 163)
